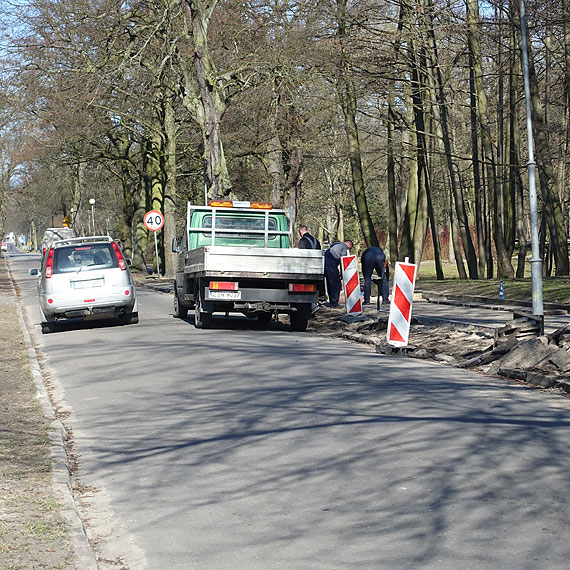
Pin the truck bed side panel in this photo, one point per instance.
(246, 261)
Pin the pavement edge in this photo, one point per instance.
(85, 557)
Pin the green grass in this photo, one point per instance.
(555, 289)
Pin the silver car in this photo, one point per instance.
(85, 277)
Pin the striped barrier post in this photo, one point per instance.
(351, 284)
(401, 305)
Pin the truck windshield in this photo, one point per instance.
(240, 228)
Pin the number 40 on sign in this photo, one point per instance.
(153, 220)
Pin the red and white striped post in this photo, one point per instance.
(401, 306)
(351, 284)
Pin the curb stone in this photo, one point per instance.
(536, 379)
(61, 477)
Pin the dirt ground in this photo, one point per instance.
(537, 362)
(33, 533)
(439, 342)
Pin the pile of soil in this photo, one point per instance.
(536, 360)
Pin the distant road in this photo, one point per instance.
(248, 447)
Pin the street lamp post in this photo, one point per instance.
(535, 261)
(92, 202)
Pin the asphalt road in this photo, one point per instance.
(251, 447)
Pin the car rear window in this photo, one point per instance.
(84, 257)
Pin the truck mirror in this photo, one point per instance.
(33, 272)
(175, 246)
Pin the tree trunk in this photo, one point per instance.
(454, 239)
(393, 218)
(294, 181)
(406, 245)
(554, 213)
(479, 190)
(420, 223)
(515, 181)
(169, 204)
(462, 218)
(347, 94)
(204, 97)
(391, 173)
(503, 259)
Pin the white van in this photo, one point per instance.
(51, 235)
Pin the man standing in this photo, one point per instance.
(307, 241)
(372, 259)
(332, 262)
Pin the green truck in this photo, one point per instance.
(237, 257)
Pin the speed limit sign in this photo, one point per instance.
(153, 220)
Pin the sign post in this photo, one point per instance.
(153, 221)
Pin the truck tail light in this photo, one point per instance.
(49, 264)
(302, 288)
(224, 285)
(119, 256)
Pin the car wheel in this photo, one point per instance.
(180, 311)
(129, 318)
(48, 327)
(47, 322)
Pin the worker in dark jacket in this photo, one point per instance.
(332, 262)
(307, 241)
(372, 259)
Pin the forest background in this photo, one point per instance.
(387, 122)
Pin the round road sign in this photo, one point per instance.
(153, 220)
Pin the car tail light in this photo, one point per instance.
(224, 285)
(302, 287)
(127, 292)
(119, 256)
(49, 264)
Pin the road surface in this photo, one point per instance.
(250, 447)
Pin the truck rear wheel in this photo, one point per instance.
(202, 320)
(299, 322)
(180, 311)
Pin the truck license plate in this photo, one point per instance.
(224, 295)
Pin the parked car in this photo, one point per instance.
(85, 277)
